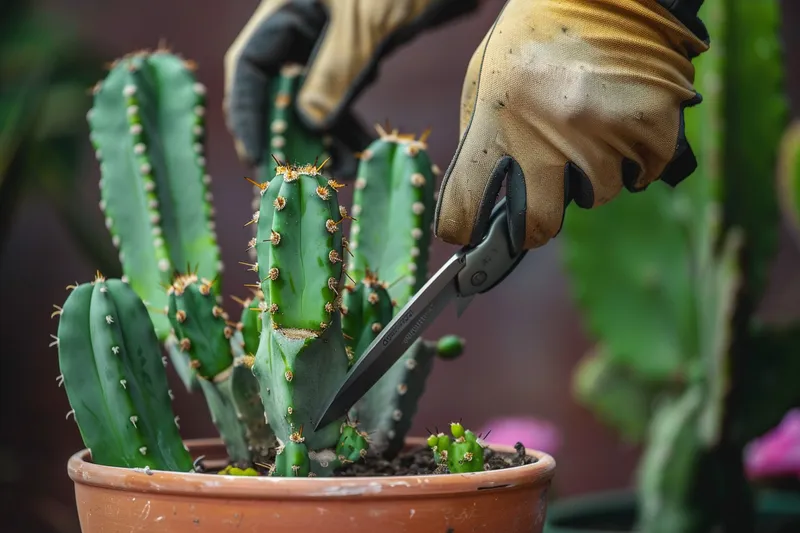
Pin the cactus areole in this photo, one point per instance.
(325, 280)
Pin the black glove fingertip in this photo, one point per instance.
(684, 162)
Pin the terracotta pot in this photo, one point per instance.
(119, 500)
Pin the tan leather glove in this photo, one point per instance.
(340, 41)
(570, 100)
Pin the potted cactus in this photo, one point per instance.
(670, 282)
(317, 300)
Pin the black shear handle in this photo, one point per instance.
(488, 263)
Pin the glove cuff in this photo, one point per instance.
(686, 12)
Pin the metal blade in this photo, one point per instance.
(405, 328)
(462, 304)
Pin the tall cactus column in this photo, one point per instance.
(301, 357)
(148, 129)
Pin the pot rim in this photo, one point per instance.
(83, 472)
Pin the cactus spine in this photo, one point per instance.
(113, 373)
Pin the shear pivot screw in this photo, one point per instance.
(478, 278)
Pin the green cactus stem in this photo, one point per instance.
(201, 326)
(251, 320)
(301, 357)
(245, 395)
(462, 453)
(113, 373)
(394, 191)
(181, 362)
(147, 127)
(207, 335)
(353, 444)
(288, 139)
(366, 309)
(292, 458)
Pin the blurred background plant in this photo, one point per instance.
(46, 74)
(669, 282)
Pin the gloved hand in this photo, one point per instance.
(340, 41)
(573, 100)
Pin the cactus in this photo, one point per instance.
(394, 194)
(394, 191)
(206, 335)
(113, 373)
(147, 127)
(288, 138)
(301, 357)
(367, 308)
(250, 320)
(148, 130)
(460, 454)
(671, 298)
(266, 374)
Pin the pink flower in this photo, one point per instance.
(533, 433)
(776, 453)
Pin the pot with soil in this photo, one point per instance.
(403, 495)
(317, 303)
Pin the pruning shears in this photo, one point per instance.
(469, 272)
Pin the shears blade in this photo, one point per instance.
(396, 338)
(471, 271)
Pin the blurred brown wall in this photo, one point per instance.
(522, 338)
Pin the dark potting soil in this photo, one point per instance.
(419, 461)
(413, 462)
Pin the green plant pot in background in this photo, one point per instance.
(778, 511)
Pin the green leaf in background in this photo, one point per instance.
(614, 396)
